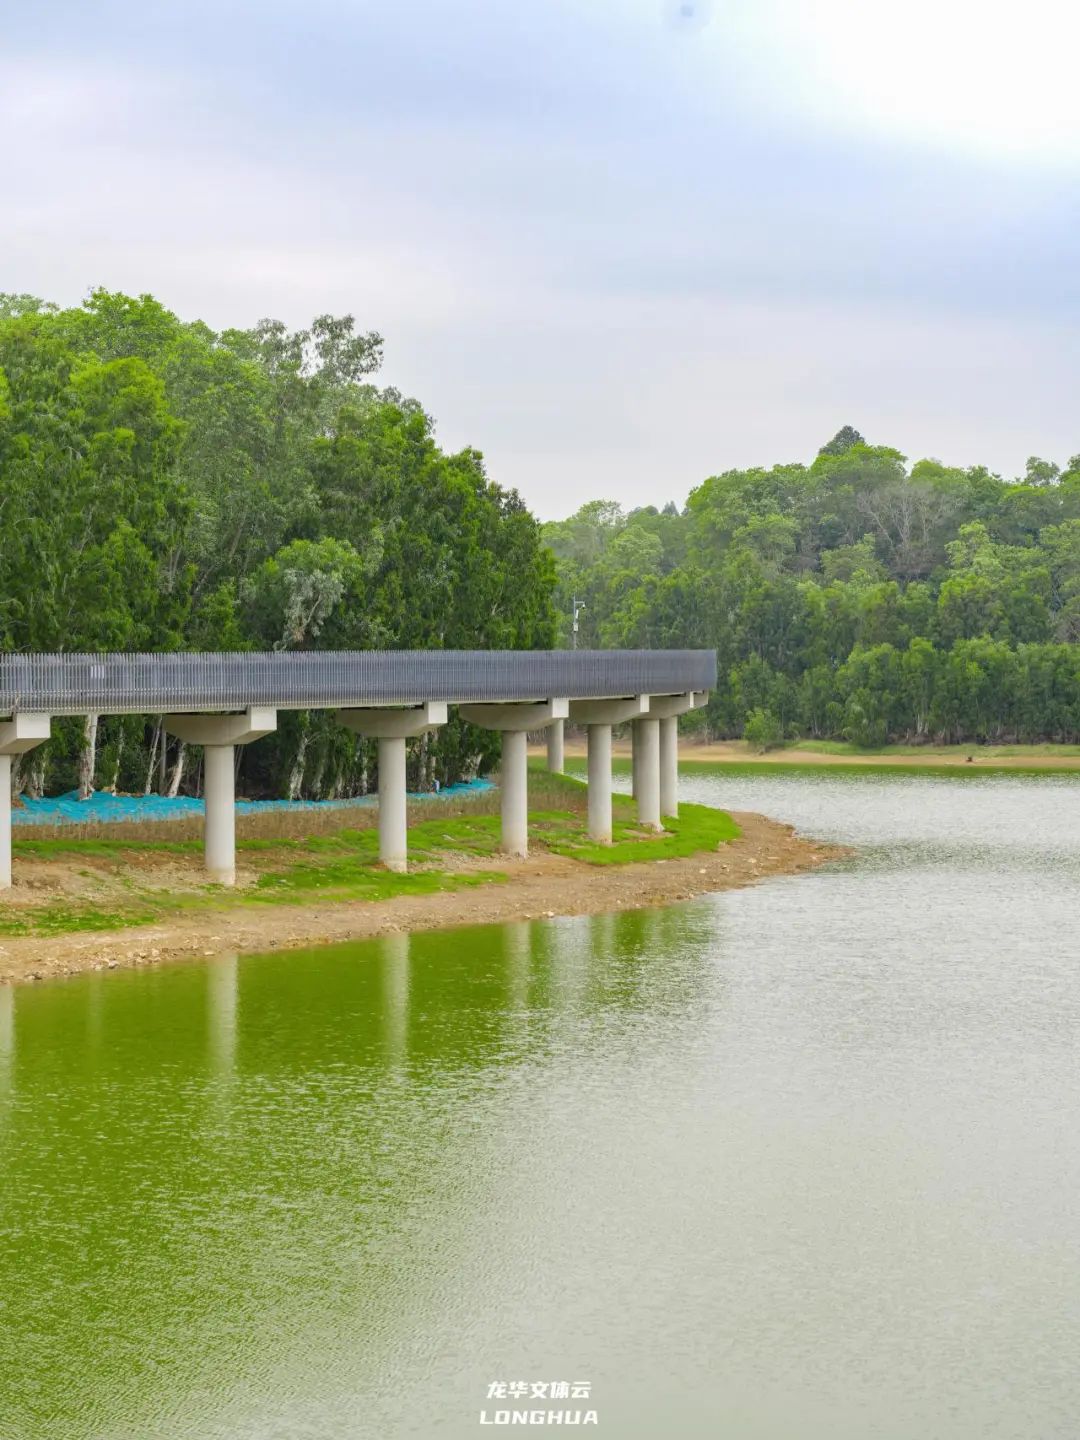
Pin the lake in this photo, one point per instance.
(798, 1162)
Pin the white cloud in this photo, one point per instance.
(613, 253)
(990, 78)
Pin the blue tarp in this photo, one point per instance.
(105, 809)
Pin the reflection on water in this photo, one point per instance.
(798, 1160)
(234, 1193)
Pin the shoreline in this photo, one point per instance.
(544, 886)
(731, 755)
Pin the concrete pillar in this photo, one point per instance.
(392, 728)
(600, 783)
(555, 747)
(514, 721)
(393, 829)
(635, 756)
(21, 733)
(667, 709)
(599, 716)
(5, 822)
(515, 792)
(219, 823)
(219, 736)
(647, 741)
(669, 766)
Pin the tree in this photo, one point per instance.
(842, 441)
(165, 486)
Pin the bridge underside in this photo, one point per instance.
(220, 701)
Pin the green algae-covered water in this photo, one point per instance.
(797, 1161)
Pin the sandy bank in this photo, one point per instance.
(543, 885)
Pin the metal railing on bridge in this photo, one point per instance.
(116, 684)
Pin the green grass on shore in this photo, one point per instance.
(141, 882)
(939, 752)
(899, 761)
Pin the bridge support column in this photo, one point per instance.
(635, 756)
(219, 736)
(392, 728)
(393, 804)
(667, 709)
(21, 733)
(219, 799)
(669, 766)
(599, 783)
(556, 758)
(647, 749)
(514, 721)
(5, 822)
(599, 716)
(514, 774)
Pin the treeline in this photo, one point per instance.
(855, 598)
(167, 487)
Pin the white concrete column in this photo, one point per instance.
(393, 828)
(514, 720)
(599, 716)
(392, 727)
(667, 709)
(669, 766)
(555, 747)
(515, 792)
(5, 822)
(635, 756)
(647, 741)
(219, 824)
(600, 783)
(219, 736)
(21, 733)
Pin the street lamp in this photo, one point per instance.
(579, 605)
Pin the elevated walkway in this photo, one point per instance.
(220, 701)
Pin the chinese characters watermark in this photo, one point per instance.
(525, 1394)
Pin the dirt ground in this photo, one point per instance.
(543, 885)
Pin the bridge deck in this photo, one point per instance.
(337, 679)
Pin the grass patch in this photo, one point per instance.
(699, 828)
(335, 884)
(930, 762)
(338, 865)
(809, 769)
(56, 919)
(957, 753)
(65, 847)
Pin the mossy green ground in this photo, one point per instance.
(142, 882)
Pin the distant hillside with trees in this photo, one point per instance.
(859, 597)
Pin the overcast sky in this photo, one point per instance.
(618, 245)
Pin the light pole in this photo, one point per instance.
(579, 605)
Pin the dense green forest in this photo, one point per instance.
(854, 598)
(164, 487)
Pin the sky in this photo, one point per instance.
(617, 245)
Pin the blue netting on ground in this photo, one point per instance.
(105, 809)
